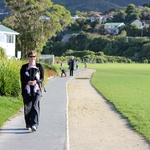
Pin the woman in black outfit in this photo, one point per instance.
(31, 76)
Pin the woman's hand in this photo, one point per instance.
(32, 83)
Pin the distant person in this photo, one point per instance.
(31, 76)
(85, 65)
(76, 63)
(63, 72)
(61, 64)
(71, 65)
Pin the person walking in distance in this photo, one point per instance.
(71, 65)
(31, 76)
(76, 63)
(85, 64)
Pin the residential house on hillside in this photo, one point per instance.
(8, 40)
(102, 18)
(141, 23)
(138, 23)
(95, 17)
(113, 27)
(105, 17)
(77, 17)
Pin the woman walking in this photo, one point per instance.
(31, 76)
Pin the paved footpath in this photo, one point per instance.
(52, 131)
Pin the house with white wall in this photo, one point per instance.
(141, 23)
(138, 23)
(8, 40)
(113, 27)
(101, 18)
(74, 18)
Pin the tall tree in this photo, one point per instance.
(36, 21)
(119, 16)
(132, 13)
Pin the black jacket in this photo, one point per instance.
(25, 80)
(71, 64)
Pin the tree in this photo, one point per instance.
(131, 30)
(81, 14)
(36, 21)
(86, 27)
(145, 52)
(145, 13)
(75, 27)
(119, 16)
(108, 50)
(132, 13)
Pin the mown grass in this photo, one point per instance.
(127, 87)
(8, 107)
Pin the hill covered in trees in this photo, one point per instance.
(90, 41)
(97, 5)
(94, 5)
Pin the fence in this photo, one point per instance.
(49, 59)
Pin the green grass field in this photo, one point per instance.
(127, 87)
(9, 106)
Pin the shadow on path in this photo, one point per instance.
(14, 131)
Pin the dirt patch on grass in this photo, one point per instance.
(50, 73)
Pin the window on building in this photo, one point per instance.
(10, 38)
(1, 38)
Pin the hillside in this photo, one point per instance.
(96, 5)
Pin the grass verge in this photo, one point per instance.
(9, 106)
(127, 87)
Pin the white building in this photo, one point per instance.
(141, 23)
(138, 23)
(77, 17)
(113, 27)
(8, 40)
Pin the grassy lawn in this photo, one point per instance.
(8, 107)
(127, 86)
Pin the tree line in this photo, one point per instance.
(85, 37)
(42, 26)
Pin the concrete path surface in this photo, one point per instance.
(52, 131)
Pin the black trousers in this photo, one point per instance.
(71, 72)
(32, 108)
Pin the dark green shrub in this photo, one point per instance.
(101, 59)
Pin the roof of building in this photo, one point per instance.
(146, 21)
(114, 23)
(4, 29)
